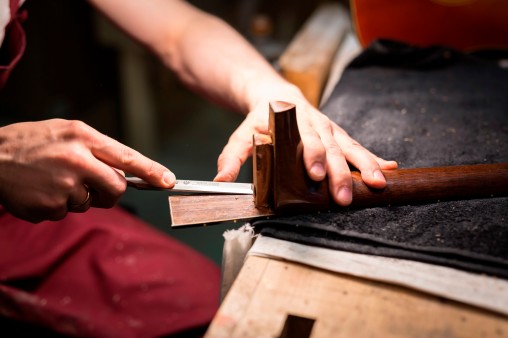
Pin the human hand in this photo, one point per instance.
(52, 167)
(327, 149)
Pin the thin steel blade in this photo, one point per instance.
(190, 186)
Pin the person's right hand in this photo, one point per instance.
(52, 167)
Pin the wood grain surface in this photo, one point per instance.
(308, 59)
(267, 291)
(200, 210)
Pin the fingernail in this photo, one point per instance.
(218, 176)
(317, 170)
(345, 196)
(169, 178)
(378, 175)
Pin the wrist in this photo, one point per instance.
(268, 90)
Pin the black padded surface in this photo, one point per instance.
(421, 107)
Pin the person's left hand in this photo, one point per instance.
(327, 150)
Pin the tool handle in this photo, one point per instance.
(412, 186)
(140, 184)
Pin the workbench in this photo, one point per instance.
(273, 297)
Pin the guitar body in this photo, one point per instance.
(466, 25)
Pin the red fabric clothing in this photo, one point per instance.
(103, 273)
(14, 43)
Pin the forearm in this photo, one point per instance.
(206, 53)
(224, 66)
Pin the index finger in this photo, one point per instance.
(233, 156)
(122, 157)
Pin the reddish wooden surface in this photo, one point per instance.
(404, 186)
(262, 167)
(410, 186)
(293, 190)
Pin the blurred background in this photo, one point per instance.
(79, 66)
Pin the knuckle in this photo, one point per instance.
(75, 128)
(114, 193)
(322, 123)
(307, 133)
(56, 203)
(355, 147)
(323, 120)
(155, 170)
(65, 184)
(127, 156)
(107, 201)
(226, 157)
(239, 138)
(222, 158)
(53, 209)
(341, 178)
(310, 138)
(257, 120)
(235, 138)
(119, 188)
(71, 154)
(334, 150)
(314, 145)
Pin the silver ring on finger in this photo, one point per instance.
(83, 206)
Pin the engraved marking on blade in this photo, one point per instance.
(197, 186)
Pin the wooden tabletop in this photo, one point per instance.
(273, 298)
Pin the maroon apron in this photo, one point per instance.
(14, 42)
(103, 273)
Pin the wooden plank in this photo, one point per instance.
(308, 59)
(342, 306)
(193, 210)
(228, 318)
(480, 290)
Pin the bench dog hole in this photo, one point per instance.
(297, 327)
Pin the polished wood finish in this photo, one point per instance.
(293, 189)
(411, 186)
(404, 186)
(262, 163)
